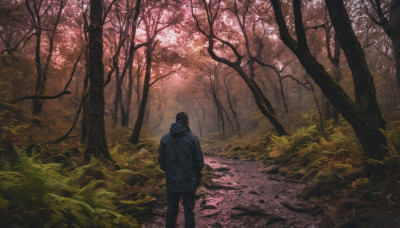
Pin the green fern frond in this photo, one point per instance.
(373, 161)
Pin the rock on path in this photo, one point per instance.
(251, 189)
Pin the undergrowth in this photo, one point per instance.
(51, 185)
(331, 165)
(90, 195)
(307, 151)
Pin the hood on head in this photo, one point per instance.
(179, 129)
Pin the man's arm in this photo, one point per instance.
(161, 156)
(198, 159)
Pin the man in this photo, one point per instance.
(181, 158)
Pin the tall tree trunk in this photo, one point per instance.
(137, 88)
(123, 113)
(263, 103)
(231, 106)
(338, 76)
(363, 114)
(85, 105)
(281, 88)
(85, 111)
(321, 120)
(37, 103)
(96, 142)
(200, 122)
(368, 128)
(221, 119)
(134, 139)
(220, 108)
(117, 98)
(329, 110)
(125, 118)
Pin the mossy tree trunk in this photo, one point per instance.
(363, 113)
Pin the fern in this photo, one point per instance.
(33, 182)
(27, 182)
(372, 161)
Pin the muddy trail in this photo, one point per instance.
(242, 196)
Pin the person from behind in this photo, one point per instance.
(181, 158)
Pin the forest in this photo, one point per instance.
(296, 105)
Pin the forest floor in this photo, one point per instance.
(243, 196)
(308, 179)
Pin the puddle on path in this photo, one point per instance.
(251, 188)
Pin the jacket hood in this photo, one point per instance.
(179, 129)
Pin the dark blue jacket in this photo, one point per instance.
(181, 158)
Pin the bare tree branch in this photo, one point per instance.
(304, 84)
(384, 54)
(73, 69)
(164, 76)
(57, 95)
(107, 11)
(57, 140)
(42, 97)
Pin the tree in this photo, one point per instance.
(200, 116)
(85, 106)
(96, 141)
(363, 113)
(238, 64)
(231, 102)
(35, 9)
(134, 139)
(334, 58)
(391, 27)
(127, 67)
(221, 111)
(155, 20)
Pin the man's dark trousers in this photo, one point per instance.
(173, 208)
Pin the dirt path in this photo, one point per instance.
(253, 189)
